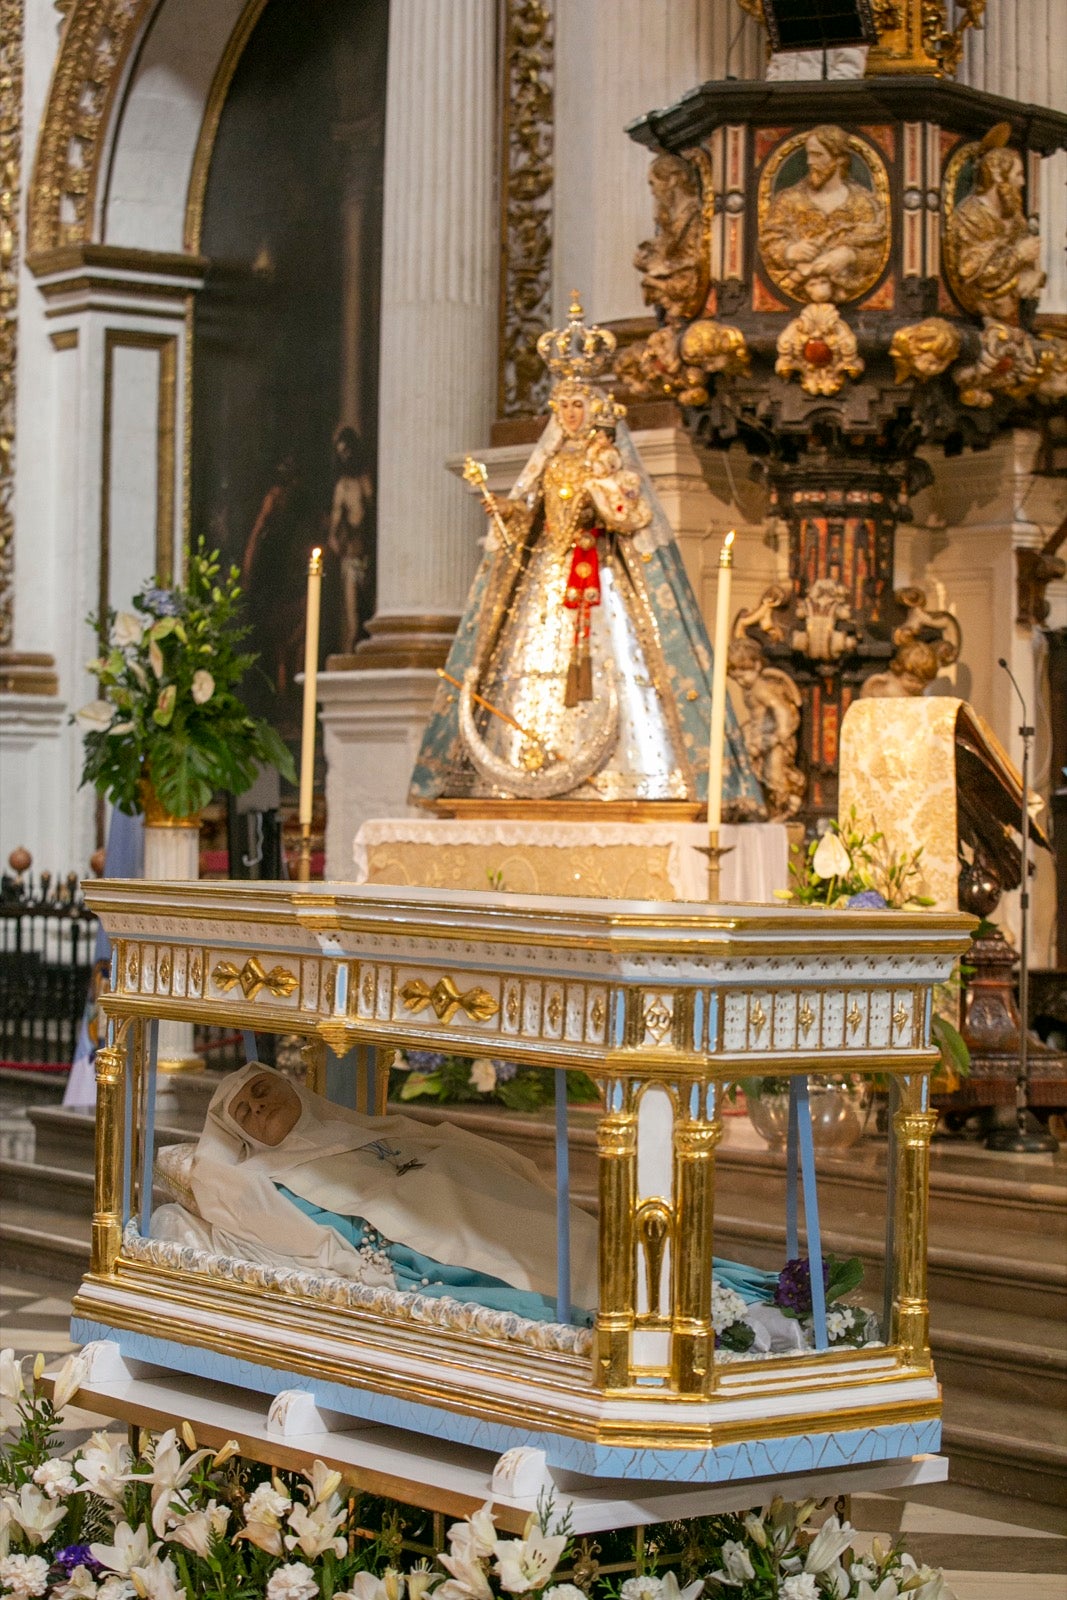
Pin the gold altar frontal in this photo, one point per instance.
(663, 1005)
(609, 856)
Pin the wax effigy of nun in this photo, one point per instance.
(281, 1176)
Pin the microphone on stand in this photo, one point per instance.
(1027, 1137)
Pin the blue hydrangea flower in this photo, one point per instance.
(867, 900)
(424, 1060)
(160, 602)
(504, 1070)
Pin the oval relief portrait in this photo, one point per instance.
(824, 216)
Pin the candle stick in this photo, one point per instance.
(307, 741)
(718, 710)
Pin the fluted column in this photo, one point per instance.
(612, 64)
(438, 320)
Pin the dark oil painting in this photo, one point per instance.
(285, 354)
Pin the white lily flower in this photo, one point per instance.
(197, 1528)
(128, 629)
(755, 1530)
(81, 1585)
(34, 1513)
(24, 1577)
(131, 1549)
(525, 1564)
(158, 1580)
(115, 1588)
(886, 1590)
(421, 1580)
(671, 1590)
(12, 1386)
(364, 1586)
(96, 716)
(203, 686)
(323, 1480)
(832, 1539)
(736, 1561)
(168, 1476)
(468, 1580)
(831, 859)
(69, 1379)
(314, 1531)
(103, 1465)
(475, 1537)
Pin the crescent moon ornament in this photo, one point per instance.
(546, 775)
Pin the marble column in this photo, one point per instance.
(436, 398)
(438, 319)
(612, 64)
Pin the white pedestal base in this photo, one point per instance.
(437, 1475)
(372, 725)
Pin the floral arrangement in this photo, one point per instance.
(847, 867)
(182, 1522)
(169, 710)
(462, 1080)
(854, 1326)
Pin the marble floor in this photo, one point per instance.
(991, 1547)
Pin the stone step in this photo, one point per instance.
(1006, 1447)
(45, 1242)
(66, 1137)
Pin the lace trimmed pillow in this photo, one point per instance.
(173, 1174)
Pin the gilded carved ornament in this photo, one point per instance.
(526, 202)
(820, 347)
(253, 977)
(96, 43)
(446, 999)
(924, 349)
(10, 173)
(918, 659)
(914, 36)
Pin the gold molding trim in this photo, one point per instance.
(11, 29)
(97, 41)
(28, 672)
(526, 171)
(209, 126)
(64, 339)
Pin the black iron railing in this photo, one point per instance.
(47, 936)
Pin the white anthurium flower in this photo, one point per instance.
(121, 727)
(526, 1564)
(24, 1577)
(130, 1549)
(70, 1377)
(96, 716)
(103, 1465)
(158, 1580)
(483, 1075)
(196, 1529)
(34, 1513)
(294, 1581)
(314, 1531)
(203, 686)
(155, 658)
(831, 859)
(832, 1539)
(128, 629)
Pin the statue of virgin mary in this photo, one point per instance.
(581, 668)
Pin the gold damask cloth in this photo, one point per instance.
(898, 768)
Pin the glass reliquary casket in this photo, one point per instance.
(624, 1365)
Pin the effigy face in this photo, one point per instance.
(419, 1275)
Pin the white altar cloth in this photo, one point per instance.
(618, 860)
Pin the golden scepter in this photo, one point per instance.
(489, 706)
(476, 475)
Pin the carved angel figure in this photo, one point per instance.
(772, 718)
(583, 657)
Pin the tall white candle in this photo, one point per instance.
(718, 687)
(311, 669)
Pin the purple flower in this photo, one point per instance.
(160, 602)
(793, 1291)
(504, 1070)
(76, 1555)
(424, 1060)
(867, 900)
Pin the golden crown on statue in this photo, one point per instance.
(577, 352)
